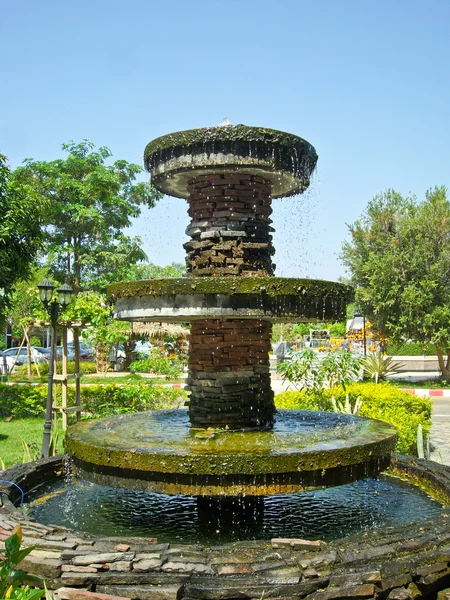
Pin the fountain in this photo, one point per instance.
(231, 450)
(231, 443)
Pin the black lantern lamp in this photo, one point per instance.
(46, 288)
(65, 294)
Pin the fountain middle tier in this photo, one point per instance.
(274, 299)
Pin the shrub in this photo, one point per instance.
(303, 401)
(380, 401)
(410, 349)
(306, 371)
(171, 367)
(104, 400)
(22, 401)
(85, 367)
(14, 583)
(98, 400)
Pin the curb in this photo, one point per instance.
(425, 392)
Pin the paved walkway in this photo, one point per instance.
(440, 440)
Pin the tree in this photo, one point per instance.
(103, 331)
(399, 257)
(148, 271)
(26, 308)
(20, 232)
(89, 204)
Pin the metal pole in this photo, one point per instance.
(46, 440)
(364, 331)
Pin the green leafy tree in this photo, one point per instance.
(150, 270)
(20, 232)
(26, 308)
(89, 204)
(399, 257)
(103, 331)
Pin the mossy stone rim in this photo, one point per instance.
(101, 442)
(235, 133)
(270, 286)
(285, 159)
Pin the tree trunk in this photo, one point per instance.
(76, 273)
(129, 353)
(101, 358)
(444, 363)
(26, 331)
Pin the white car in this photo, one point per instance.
(16, 358)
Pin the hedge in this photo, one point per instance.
(381, 401)
(410, 349)
(97, 400)
(85, 367)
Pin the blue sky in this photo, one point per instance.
(367, 83)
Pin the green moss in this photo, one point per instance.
(112, 443)
(232, 133)
(270, 286)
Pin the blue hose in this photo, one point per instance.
(15, 485)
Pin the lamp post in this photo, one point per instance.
(65, 294)
(359, 315)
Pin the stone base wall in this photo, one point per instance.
(229, 374)
(394, 563)
(230, 227)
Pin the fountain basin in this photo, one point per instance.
(377, 561)
(158, 451)
(273, 299)
(286, 160)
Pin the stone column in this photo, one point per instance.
(229, 374)
(230, 226)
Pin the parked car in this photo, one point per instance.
(86, 352)
(11, 353)
(5, 363)
(42, 354)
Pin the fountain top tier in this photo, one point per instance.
(286, 160)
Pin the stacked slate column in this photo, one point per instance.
(229, 375)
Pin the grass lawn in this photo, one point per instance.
(425, 384)
(12, 449)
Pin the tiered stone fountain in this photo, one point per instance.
(231, 443)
